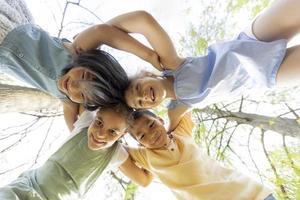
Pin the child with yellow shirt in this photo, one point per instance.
(179, 163)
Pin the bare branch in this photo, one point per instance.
(250, 154)
(281, 186)
(43, 143)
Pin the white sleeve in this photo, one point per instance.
(119, 157)
(84, 120)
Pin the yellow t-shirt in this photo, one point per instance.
(191, 174)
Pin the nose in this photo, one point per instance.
(102, 134)
(145, 96)
(74, 84)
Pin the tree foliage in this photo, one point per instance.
(230, 138)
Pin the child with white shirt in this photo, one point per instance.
(73, 169)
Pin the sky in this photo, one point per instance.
(47, 14)
(174, 15)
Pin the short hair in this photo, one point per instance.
(109, 83)
(121, 108)
(137, 114)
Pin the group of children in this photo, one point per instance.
(114, 105)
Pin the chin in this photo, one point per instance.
(58, 83)
(94, 147)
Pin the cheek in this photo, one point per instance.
(75, 95)
(74, 73)
(113, 138)
(129, 98)
(144, 142)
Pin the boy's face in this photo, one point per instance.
(145, 92)
(107, 127)
(69, 83)
(150, 132)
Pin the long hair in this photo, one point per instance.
(109, 83)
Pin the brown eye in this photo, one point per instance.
(98, 122)
(142, 136)
(138, 86)
(140, 103)
(113, 132)
(152, 124)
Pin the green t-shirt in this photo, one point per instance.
(68, 174)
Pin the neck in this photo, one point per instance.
(168, 142)
(168, 84)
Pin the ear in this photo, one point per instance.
(161, 120)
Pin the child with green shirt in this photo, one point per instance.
(73, 169)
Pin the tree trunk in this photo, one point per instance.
(23, 99)
(284, 126)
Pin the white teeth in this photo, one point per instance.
(152, 94)
(96, 140)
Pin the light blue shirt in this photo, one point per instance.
(29, 54)
(228, 70)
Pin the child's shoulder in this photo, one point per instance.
(185, 126)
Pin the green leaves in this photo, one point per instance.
(200, 132)
(130, 191)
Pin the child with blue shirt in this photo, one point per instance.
(257, 59)
(92, 78)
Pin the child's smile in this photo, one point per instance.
(146, 92)
(107, 128)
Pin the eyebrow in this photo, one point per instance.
(149, 121)
(98, 117)
(138, 135)
(132, 91)
(116, 129)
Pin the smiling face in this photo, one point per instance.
(150, 132)
(145, 92)
(107, 128)
(69, 83)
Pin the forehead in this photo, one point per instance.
(141, 123)
(81, 69)
(111, 117)
(77, 69)
(130, 93)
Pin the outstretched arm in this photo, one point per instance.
(143, 23)
(71, 111)
(175, 115)
(98, 35)
(280, 21)
(138, 175)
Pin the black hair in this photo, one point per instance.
(137, 114)
(121, 108)
(109, 83)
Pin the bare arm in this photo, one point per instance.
(97, 35)
(71, 111)
(143, 23)
(175, 115)
(138, 175)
